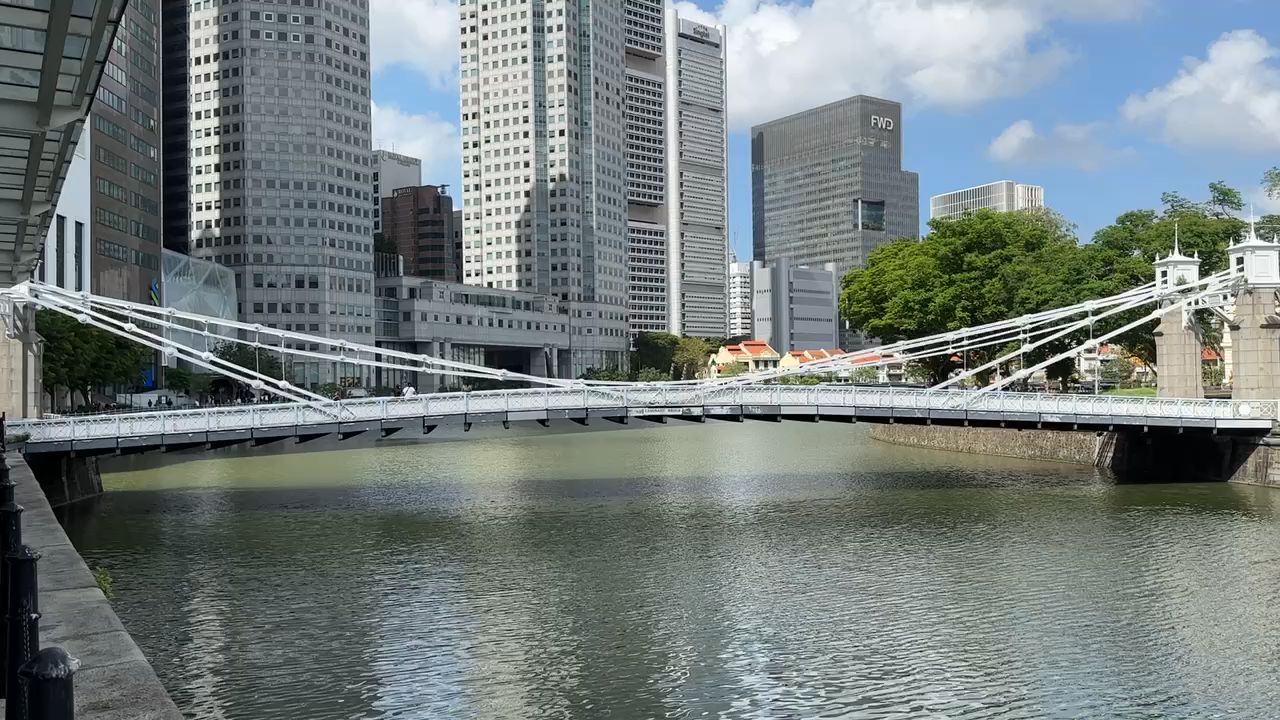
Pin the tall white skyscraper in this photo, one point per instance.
(648, 302)
(740, 318)
(543, 168)
(697, 178)
(1001, 196)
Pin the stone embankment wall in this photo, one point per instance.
(1131, 456)
(115, 681)
(1076, 448)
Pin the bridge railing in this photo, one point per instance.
(278, 415)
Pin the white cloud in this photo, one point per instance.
(788, 55)
(1230, 99)
(428, 137)
(419, 34)
(1075, 146)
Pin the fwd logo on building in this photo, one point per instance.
(881, 123)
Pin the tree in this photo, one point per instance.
(865, 375)
(978, 268)
(384, 244)
(649, 374)
(259, 360)
(1271, 182)
(690, 357)
(1223, 200)
(80, 357)
(654, 350)
(1118, 370)
(733, 369)
(178, 379)
(604, 375)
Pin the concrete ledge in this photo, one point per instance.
(115, 681)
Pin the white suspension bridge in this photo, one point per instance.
(304, 414)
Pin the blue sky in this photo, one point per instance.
(1106, 103)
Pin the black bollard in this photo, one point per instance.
(22, 631)
(47, 680)
(10, 537)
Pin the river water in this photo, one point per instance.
(690, 571)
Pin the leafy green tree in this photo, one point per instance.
(1223, 200)
(80, 357)
(690, 357)
(801, 380)
(655, 350)
(604, 375)
(978, 268)
(865, 375)
(1118, 370)
(732, 370)
(178, 379)
(259, 360)
(649, 374)
(1271, 182)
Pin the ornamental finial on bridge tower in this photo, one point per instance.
(1255, 259)
(1176, 269)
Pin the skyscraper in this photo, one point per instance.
(740, 317)
(649, 288)
(392, 171)
(827, 184)
(697, 178)
(543, 168)
(419, 222)
(280, 162)
(1001, 196)
(125, 165)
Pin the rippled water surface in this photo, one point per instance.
(717, 571)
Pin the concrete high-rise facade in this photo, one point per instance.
(1001, 196)
(124, 129)
(794, 307)
(280, 162)
(544, 172)
(68, 247)
(740, 318)
(697, 178)
(649, 288)
(392, 171)
(827, 184)
(419, 221)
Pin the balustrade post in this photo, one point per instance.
(22, 629)
(47, 680)
(10, 537)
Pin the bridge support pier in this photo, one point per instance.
(66, 478)
(1178, 357)
(1255, 338)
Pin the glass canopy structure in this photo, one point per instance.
(52, 54)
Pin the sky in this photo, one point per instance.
(1105, 103)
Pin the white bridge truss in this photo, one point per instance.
(750, 395)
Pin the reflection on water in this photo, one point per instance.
(719, 571)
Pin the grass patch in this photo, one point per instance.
(1132, 392)
(103, 578)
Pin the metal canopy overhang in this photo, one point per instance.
(52, 55)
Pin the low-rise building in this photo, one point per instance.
(507, 329)
(749, 355)
(796, 358)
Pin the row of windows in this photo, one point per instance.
(116, 251)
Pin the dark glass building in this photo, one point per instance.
(827, 184)
(419, 220)
(125, 166)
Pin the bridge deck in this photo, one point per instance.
(227, 425)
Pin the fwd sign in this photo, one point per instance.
(881, 123)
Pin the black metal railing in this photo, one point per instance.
(36, 683)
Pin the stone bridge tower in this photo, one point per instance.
(1256, 327)
(1177, 337)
